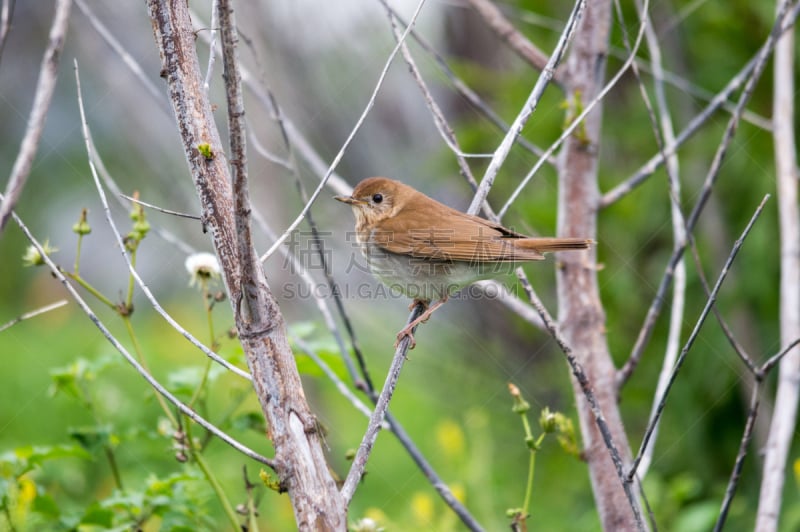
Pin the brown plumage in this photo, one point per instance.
(407, 221)
(428, 251)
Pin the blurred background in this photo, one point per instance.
(63, 386)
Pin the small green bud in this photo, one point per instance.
(32, 257)
(548, 421)
(205, 151)
(131, 241)
(521, 406)
(141, 227)
(82, 227)
(350, 454)
(270, 482)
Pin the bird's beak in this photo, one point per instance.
(350, 200)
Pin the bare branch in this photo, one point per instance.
(6, 14)
(300, 461)
(212, 47)
(726, 330)
(664, 134)
(774, 359)
(759, 373)
(375, 421)
(160, 209)
(577, 121)
(340, 385)
(521, 45)
(586, 388)
(48, 73)
(496, 290)
(121, 244)
(32, 314)
(346, 144)
(697, 92)
(439, 119)
(711, 178)
(784, 418)
(466, 92)
(194, 416)
(127, 58)
(693, 336)
(701, 118)
(546, 75)
(736, 472)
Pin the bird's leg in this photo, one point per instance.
(425, 316)
(423, 302)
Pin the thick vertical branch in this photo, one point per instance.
(581, 313)
(784, 418)
(299, 458)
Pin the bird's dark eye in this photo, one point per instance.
(377, 198)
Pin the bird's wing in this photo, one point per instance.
(430, 230)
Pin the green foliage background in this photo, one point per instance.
(452, 398)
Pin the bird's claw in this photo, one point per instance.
(406, 332)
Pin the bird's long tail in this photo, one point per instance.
(546, 245)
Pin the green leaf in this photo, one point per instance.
(45, 504)
(97, 515)
(23, 459)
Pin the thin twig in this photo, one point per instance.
(494, 289)
(33, 313)
(767, 366)
(693, 336)
(711, 177)
(439, 120)
(546, 75)
(375, 421)
(760, 374)
(334, 378)
(212, 46)
(647, 169)
(300, 143)
(304, 273)
(127, 58)
(586, 388)
(736, 472)
(48, 73)
(161, 209)
(6, 14)
(520, 44)
(577, 121)
(726, 330)
(346, 144)
(696, 92)
(783, 425)
(120, 242)
(664, 135)
(461, 87)
(165, 234)
(194, 416)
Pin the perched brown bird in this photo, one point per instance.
(426, 250)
